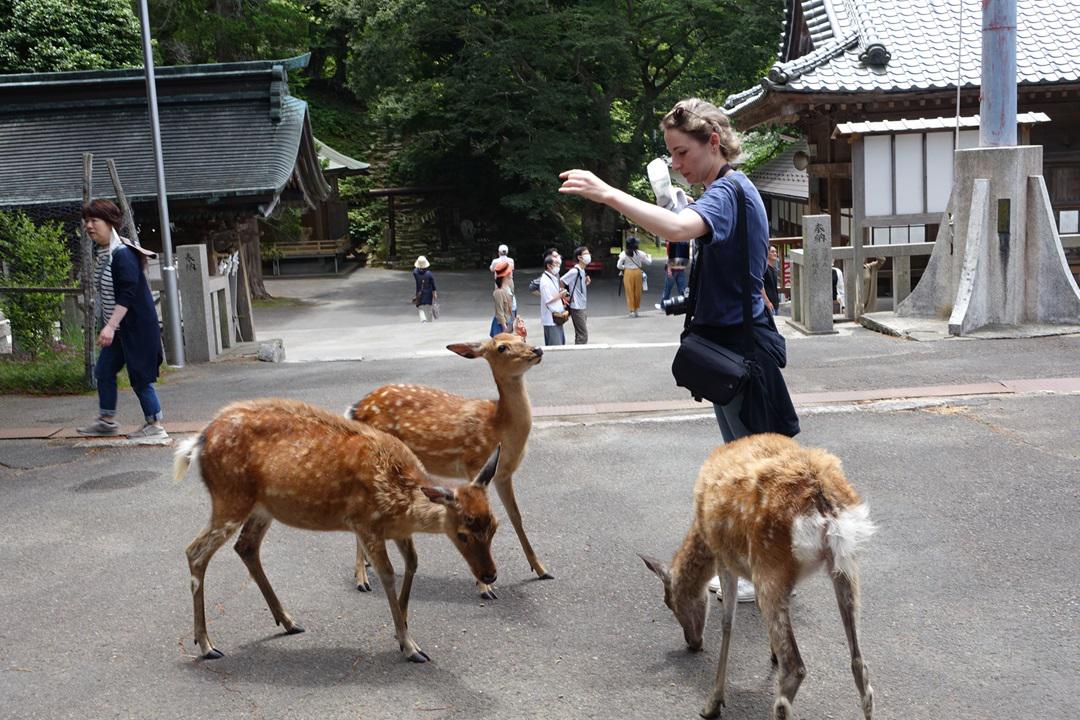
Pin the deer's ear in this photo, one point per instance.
(657, 567)
(465, 350)
(488, 471)
(438, 494)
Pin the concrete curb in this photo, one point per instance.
(1063, 386)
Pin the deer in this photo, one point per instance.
(266, 460)
(452, 435)
(772, 511)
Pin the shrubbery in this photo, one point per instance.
(33, 256)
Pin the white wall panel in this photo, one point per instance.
(909, 173)
(878, 174)
(939, 170)
(969, 139)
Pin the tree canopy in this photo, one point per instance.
(57, 35)
(507, 93)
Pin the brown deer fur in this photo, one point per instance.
(453, 435)
(772, 511)
(269, 460)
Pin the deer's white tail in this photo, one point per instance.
(186, 453)
(817, 537)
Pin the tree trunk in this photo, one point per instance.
(248, 231)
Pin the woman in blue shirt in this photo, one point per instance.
(701, 142)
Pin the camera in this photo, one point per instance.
(675, 305)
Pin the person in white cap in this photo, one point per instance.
(509, 282)
(426, 295)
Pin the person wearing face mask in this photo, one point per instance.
(552, 302)
(577, 282)
(702, 143)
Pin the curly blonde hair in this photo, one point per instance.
(700, 119)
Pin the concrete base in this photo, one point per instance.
(807, 331)
(998, 260)
(930, 329)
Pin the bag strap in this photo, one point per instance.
(744, 260)
(580, 272)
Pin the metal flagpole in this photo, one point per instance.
(174, 345)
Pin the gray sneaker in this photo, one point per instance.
(100, 428)
(149, 431)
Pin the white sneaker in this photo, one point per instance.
(149, 431)
(657, 306)
(745, 592)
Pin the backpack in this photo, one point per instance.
(534, 285)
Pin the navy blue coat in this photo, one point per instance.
(139, 334)
(425, 285)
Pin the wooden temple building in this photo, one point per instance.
(237, 147)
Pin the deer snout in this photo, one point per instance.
(538, 352)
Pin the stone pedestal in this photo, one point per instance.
(811, 291)
(997, 260)
(206, 306)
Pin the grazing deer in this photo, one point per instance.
(269, 460)
(453, 435)
(772, 511)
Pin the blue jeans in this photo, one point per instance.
(110, 361)
(675, 279)
(727, 416)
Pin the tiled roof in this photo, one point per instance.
(904, 45)
(227, 131)
(338, 162)
(924, 124)
(780, 178)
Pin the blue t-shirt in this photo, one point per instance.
(720, 294)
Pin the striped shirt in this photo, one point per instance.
(103, 281)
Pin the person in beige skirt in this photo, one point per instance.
(631, 262)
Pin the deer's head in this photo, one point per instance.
(690, 610)
(508, 355)
(469, 522)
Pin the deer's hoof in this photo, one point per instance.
(489, 594)
(294, 630)
(545, 576)
(712, 710)
(213, 654)
(363, 587)
(419, 656)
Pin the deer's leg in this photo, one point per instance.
(505, 488)
(376, 550)
(199, 552)
(408, 551)
(847, 597)
(247, 547)
(773, 598)
(360, 573)
(729, 589)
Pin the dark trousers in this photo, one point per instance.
(581, 332)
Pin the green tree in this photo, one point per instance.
(33, 256)
(503, 94)
(209, 31)
(56, 35)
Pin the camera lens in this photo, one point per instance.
(674, 306)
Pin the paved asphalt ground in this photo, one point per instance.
(970, 602)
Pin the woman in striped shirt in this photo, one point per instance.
(125, 312)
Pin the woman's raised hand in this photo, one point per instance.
(585, 184)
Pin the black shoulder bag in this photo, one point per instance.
(706, 369)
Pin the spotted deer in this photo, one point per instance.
(267, 460)
(452, 435)
(772, 511)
